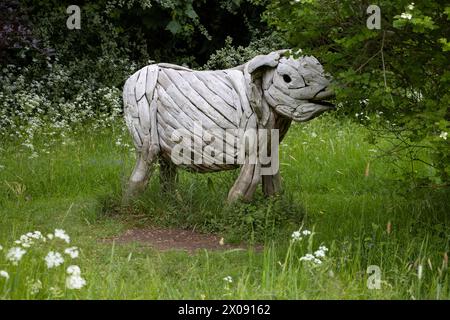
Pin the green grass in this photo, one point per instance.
(77, 187)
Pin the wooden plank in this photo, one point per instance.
(196, 100)
(210, 97)
(140, 84)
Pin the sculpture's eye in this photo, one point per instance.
(286, 78)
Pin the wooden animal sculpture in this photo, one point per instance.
(168, 106)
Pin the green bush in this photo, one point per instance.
(397, 76)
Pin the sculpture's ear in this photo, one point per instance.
(268, 60)
(253, 71)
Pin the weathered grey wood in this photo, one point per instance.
(141, 84)
(168, 107)
(215, 85)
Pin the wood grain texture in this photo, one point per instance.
(205, 113)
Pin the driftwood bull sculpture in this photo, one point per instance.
(201, 120)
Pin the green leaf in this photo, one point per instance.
(174, 27)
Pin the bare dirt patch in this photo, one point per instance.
(177, 239)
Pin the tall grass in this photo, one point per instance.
(363, 213)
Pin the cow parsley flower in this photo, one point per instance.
(25, 241)
(306, 232)
(411, 6)
(443, 135)
(75, 282)
(4, 274)
(296, 236)
(319, 253)
(35, 235)
(15, 254)
(228, 279)
(1, 248)
(73, 270)
(310, 257)
(307, 257)
(61, 234)
(407, 16)
(72, 252)
(53, 259)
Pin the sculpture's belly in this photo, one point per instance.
(198, 119)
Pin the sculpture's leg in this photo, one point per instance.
(245, 185)
(167, 174)
(141, 172)
(271, 185)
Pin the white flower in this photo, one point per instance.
(75, 282)
(1, 248)
(73, 270)
(407, 16)
(307, 257)
(296, 235)
(61, 234)
(36, 235)
(228, 279)
(313, 134)
(443, 135)
(319, 253)
(306, 232)
(54, 259)
(411, 6)
(72, 252)
(50, 236)
(317, 261)
(15, 255)
(323, 248)
(25, 241)
(35, 287)
(4, 274)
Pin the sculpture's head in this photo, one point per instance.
(294, 88)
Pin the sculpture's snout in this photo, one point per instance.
(325, 94)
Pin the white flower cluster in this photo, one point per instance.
(28, 239)
(53, 259)
(74, 279)
(4, 274)
(317, 256)
(443, 135)
(15, 254)
(298, 235)
(228, 279)
(407, 15)
(72, 252)
(29, 109)
(61, 234)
